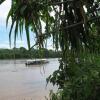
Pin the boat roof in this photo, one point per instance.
(30, 60)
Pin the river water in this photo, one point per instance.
(19, 82)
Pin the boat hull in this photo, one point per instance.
(36, 62)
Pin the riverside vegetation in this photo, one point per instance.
(23, 53)
(74, 26)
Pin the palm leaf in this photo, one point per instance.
(27, 34)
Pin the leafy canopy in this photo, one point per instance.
(74, 27)
(67, 21)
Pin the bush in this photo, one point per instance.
(78, 79)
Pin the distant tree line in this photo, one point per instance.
(23, 53)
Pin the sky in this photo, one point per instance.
(4, 31)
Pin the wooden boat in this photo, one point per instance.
(36, 61)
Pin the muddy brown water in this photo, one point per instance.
(20, 82)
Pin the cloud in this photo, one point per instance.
(4, 45)
(4, 9)
(19, 43)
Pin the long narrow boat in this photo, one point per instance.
(36, 61)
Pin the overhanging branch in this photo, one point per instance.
(79, 23)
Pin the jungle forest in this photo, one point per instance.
(74, 26)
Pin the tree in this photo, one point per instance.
(72, 29)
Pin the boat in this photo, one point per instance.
(36, 61)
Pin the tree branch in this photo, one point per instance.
(79, 23)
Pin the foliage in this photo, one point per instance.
(74, 27)
(22, 53)
(70, 26)
(79, 79)
(28, 14)
(1, 1)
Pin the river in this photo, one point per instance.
(19, 82)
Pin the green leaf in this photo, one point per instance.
(27, 35)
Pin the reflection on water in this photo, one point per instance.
(18, 82)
